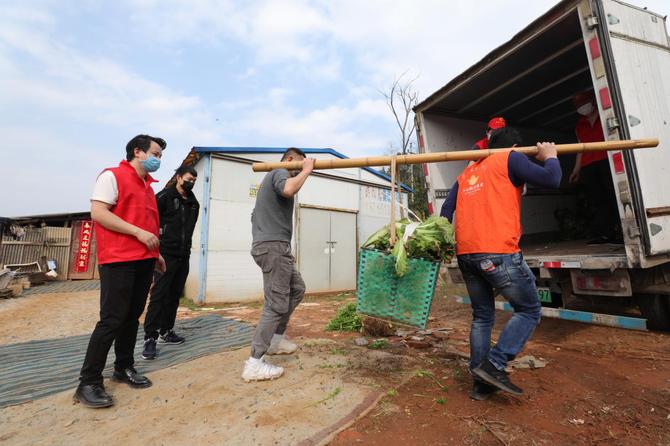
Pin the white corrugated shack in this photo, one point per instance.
(335, 211)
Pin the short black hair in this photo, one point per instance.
(504, 137)
(183, 170)
(142, 142)
(293, 151)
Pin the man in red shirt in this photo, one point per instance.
(594, 171)
(123, 207)
(494, 124)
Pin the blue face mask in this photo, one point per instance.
(151, 164)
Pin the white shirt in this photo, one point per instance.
(106, 189)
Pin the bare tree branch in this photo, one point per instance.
(401, 99)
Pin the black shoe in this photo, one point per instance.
(93, 395)
(170, 338)
(498, 378)
(482, 391)
(149, 351)
(132, 378)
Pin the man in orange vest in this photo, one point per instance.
(594, 171)
(123, 207)
(487, 202)
(494, 124)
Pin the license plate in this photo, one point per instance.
(544, 294)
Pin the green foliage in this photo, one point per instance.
(379, 344)
(400, 254)
(346, 319)
(339, 351)
(188, 303)
(427, 374)
(433, 239)
(330, 396)
(380, 239)
(331, 366)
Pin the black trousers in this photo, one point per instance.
(165, 295)
(604, 216)
(123, 293)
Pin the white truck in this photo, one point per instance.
(622, 52)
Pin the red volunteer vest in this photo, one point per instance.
(488, 208)
(590, 133)
(136, 205)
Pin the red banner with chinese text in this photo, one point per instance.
(83, 253)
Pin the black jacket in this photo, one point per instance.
(177, 218)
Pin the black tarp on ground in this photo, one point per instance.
(31, 370)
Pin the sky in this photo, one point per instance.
(79, 79)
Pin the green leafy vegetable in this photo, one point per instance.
(433, 239)
(400, 254)
(346, 319)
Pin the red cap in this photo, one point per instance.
(497, 123)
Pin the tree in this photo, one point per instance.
(401, 98)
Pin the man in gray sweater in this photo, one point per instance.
(272, 230)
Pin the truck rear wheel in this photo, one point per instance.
(656, 309)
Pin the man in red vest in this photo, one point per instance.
(487, 202)
(123, 207)
(494, 124)
(594, 171)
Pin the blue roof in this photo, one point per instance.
(283, 149)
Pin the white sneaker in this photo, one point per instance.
(259, 370)
(281, 346)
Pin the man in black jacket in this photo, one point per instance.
(178, 211)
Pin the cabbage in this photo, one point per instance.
(433, 240)
(400, 254)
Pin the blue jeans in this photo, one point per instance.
(509, 275)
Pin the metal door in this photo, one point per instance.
(343, 251)
(637, 51)
(327, 249)
(313, 251)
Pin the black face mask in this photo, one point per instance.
(187, 186)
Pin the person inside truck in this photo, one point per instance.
(593, 169)
(494, 124)
(486, 200)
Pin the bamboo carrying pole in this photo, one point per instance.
(393, 181)
(465, 155)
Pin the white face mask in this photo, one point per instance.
(585, 109)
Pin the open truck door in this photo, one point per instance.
(629, 47)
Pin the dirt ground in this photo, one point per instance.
(47, 316)
(601, 385)
(203, 401)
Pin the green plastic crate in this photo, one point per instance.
(384, 295)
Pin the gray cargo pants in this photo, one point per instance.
(283, 288)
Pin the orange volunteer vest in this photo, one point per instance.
(488, 208)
